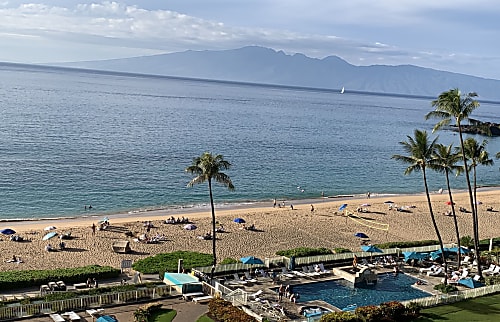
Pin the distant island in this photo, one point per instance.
(260, 65)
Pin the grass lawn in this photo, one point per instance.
(204, 318)
(484, 309)
(163, 315)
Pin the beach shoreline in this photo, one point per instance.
(322, 225)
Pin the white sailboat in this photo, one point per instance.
(342, 90)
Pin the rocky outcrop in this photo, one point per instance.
(480, 127)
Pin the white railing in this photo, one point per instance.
(92, 301)
(455, 296)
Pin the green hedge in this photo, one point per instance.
(390, 312)
(29, 278)
(304, 252)
(167, 262)
(406, 244)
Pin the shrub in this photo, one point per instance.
(369, 313)
(167, 262)
(492, 280)
(445, 288)
(339, 317)
(393, 311)
(304, 252)
(405, 244)
(223, 311)
(229, 261)
(340, 250)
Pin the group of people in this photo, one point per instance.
(15, 259)
(92, 283)
(286, 292)
(173, 220)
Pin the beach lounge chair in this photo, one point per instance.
(236, 280)
(436, 272)
(72, 316)
(322, 268)
(256, 294)
(95, 313)
(202, 299)
(490, 269)
(286, 273)
(299, 274)
(57, 317)
(495, 271)
(249, 278)
(263, 273)
(466, 260)
(313, 271)
(477, 278)
(364, 262)
(428, 269)
(306, 271)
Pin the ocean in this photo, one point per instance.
(121, 142)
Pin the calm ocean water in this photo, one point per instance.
(121, 143)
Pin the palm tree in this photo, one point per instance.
(444, 160)
(206, 168)
(420, 152)
(453, 105)
(477, 155)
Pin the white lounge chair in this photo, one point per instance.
(72, 316)
(495, 271)
(477, 278)
(306, 271)
(322, 268)
(364, 262)
(202, 299)
(428, 269)
(249, 278)
(435, 273)
(286, 273)
(57, 317)
(256, 294)
(313, 271)
(490, 269)
(466, 260)
(299, 274)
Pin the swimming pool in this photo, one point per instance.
(341, 293)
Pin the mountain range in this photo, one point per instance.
(261, 65)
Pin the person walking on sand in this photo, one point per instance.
(274, 203)
(93, 229)
(312, 209)
(368, 194)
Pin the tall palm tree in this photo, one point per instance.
(420, 152)
(477, 155)
(445, 161)
(452, 105)
(207, 168)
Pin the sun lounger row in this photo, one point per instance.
(492, 270)
(202, 299)
(71, 316)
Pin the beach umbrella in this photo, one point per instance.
(388, 201)
(190, 227)
(7, 231)
(470, 282)
(371, 249)
(239, 220)
(343, 206)
(106, 318)
(50, 228)
(463, 250)
(49, 235)
(361, 235)
(449, 203)
(414, 255)
(251, 260)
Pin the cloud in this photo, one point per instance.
(360, 31)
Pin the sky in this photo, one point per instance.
(452, 35)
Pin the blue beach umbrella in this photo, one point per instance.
(251, 260)
(106, 318)
(7, 231)
(414, 255)
(239, 220)
(343, 206)
(371, 249)
(463, 250)
(361, 235)
(49, 235)
(470, 283)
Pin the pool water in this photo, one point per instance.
(342, 293)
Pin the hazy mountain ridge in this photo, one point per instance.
(266, 66)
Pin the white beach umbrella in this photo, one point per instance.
(50, 228)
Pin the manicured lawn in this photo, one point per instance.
(483, 309)
(163, 315)
(204, 318)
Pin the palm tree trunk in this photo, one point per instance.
(476, 216)
(213, 226)
(471, 200)
(457, 232)
(435, 227)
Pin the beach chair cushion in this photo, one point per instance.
(202, 299)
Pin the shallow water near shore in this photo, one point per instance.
(121, 143)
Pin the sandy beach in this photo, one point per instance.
(277, 229)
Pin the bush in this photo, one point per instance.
(21, 279)
(445, 288)
(223, 311)
(394, 311)
(229, 261)
(492, 280)
(167, 262)
(339, 317)
(369, 313)
(144, 312)
(406, 244)
(340, 250)
(304, 252)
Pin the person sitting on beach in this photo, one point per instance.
(62, 246)
(252, 227)
(355, 261)
(49, 248)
